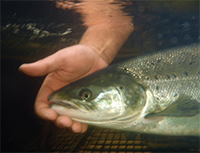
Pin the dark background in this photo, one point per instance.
(155, 26)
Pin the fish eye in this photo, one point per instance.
(85, 94)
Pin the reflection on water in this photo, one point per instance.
(158, 25)
(32, 30)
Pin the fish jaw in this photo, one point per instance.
(69, 105)
(62, 106)
(74, 111)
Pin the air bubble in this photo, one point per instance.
(160, 35)
(186, 24)
(174, 40)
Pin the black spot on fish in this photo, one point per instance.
(121, 87)
(147, 78)
(167, 76)
(175, 95)
(186, 73)
(156, 77)
(174, 75)
(158, 98)
(190, 63)
(159, 61)
(156, 87)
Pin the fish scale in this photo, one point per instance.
(168, 72)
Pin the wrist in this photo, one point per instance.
(107, 38)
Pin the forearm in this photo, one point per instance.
(108, 28)
(106, 39)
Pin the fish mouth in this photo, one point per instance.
(70, 105)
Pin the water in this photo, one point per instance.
(34, 30)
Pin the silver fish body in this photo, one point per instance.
(157, 93)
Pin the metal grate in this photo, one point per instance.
(64, 141)
(105, 140)
(110, 141)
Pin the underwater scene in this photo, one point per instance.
(146, 101)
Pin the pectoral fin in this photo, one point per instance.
(184, 106)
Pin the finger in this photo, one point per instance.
(63, 121)
(47, 114)
(84, 128)
(42, 104)
(76, 127)
(42, 67)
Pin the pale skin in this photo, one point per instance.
(108, 29)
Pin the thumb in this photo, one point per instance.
(42, 67)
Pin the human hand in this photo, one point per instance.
(63, 67)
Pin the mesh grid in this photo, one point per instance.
(98, 140)
(64, 141)
(105, 140)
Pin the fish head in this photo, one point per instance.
(105, 96)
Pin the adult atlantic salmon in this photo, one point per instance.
(157, 93)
